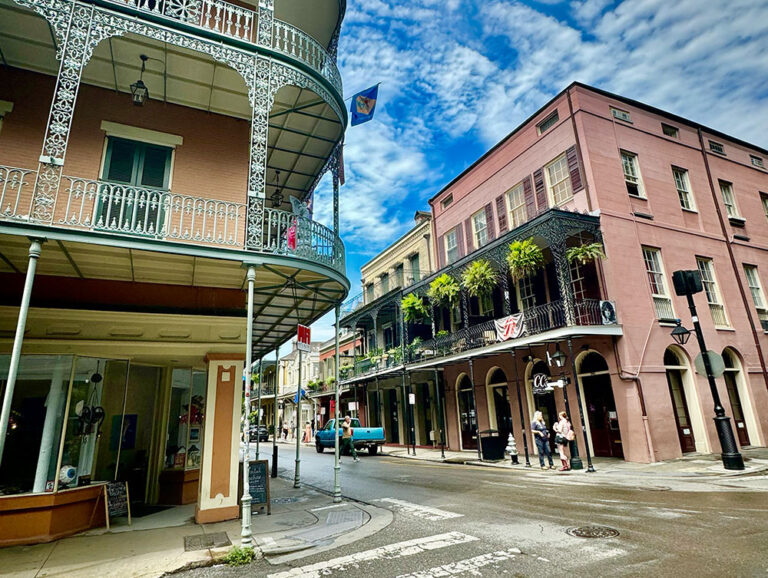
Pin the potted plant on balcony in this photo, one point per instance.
(444, 290)
(414, 308)
(479, 278)
(585, 253)
(525, 258)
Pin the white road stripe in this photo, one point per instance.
(424, 512)
(396, 550)
(470, 565)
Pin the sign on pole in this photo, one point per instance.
(303, 338)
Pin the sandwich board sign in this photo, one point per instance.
(303, 338)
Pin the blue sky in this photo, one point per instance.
(458, 75)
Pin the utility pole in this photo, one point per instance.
(336, 466)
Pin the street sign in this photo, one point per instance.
(412, 398)
(302, 338)
(716, 362)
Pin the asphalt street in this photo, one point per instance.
(452, 520)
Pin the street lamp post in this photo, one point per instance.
(688, 283)
(558, 358)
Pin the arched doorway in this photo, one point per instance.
(690, 426)
(743, 418)
(467, 413)
(499, 410)
(543, 401)
(600, 405)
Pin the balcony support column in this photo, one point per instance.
(464, 304)
(563, 273)
(262, 97)
(79, 37)
(266, 16)
(505, 303)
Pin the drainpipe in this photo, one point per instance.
(34, 254)
(732, 258)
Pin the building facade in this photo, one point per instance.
(656, 193)
(156, 160)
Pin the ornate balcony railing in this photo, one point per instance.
(242, 24)
(87, 204)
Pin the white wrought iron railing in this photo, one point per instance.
(241, 23)
(88, 204)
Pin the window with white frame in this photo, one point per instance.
(577, 281)
(726, 190)
(757, 161)
(451, 246)
(516, 206)
(764, 199)
(559, 180)
(480, 228)
(526, 292)
(683, 186)
(716, 147)
(485, 304)
(547, 122)
(709, 282)
(621, 114)
(632, 174)
(758, 297)
(654, 267)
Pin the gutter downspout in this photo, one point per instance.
(732, 258)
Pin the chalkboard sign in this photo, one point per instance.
(116, 500)
(258, 483)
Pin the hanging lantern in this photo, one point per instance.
(139, 90)
(277, 196)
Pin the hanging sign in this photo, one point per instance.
(510, 327)
(302, 338)
(412, 398)
(608, 312)
(541, 384)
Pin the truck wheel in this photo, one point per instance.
(318, 447)
(373, 450)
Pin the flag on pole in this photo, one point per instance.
(296, 397)
(363, 105)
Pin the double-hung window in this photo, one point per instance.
(415, 268)
(384, 281)
(709, 282)
(632, 174)
(527, 292)
(683, 186)
(516, 206)
(480, 228)
(654, 267)
(764, 200)
(136, 174)
(726, 190)
(559, 180)
(451, 247)
(758, 297)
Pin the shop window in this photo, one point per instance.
(185, 420)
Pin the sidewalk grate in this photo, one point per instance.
(205, 541)
(593, 532)
(344, 516)
(287, 500)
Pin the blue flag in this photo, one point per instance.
(296, 397)
(363, 105)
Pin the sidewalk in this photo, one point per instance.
(303, 522)
(692, 465)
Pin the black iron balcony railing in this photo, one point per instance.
(92, 205)
(538, 320)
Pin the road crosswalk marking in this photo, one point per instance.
(467, 566)
(424, 512)
(396, 550)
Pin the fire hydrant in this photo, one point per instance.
(511, 449)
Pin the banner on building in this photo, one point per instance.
(363, 105)
(510, 327)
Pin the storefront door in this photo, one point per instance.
(736, 407)
(680, 406)
(393, 425)
(600, 406)
(467, 416)
(503, 411)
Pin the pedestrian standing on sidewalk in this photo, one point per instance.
(541, 435)
(307, 433)
(346, 438)
(563, 433)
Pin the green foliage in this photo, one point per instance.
(331, 381)
(414, 308)
(375, 354)
(444, 290)
(525, 258)
(441, 333)
(313, 385)
(397, 354)
(479, 278)
(585, 253)
(239, 556)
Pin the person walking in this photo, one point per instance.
(563, 434)
(346, 438)
(541, 435)
(307, 433)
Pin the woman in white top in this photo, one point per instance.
(563, 435)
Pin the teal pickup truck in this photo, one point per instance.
(369, 438)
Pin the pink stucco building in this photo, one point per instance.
(662, 193)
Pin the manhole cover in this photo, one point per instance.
(593, 532)
(205, 541)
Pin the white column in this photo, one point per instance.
(245, 534)
(53, 407)
(5, 414)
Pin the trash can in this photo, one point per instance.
(492, 445)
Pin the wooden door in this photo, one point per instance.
(602, 415)
(680, 407)
(467, 419)
(738, 410)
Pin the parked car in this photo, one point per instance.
(370, 438)
(261, 432)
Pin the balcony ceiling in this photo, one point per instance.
(316, 17)
(285, 294)
(303, 128)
